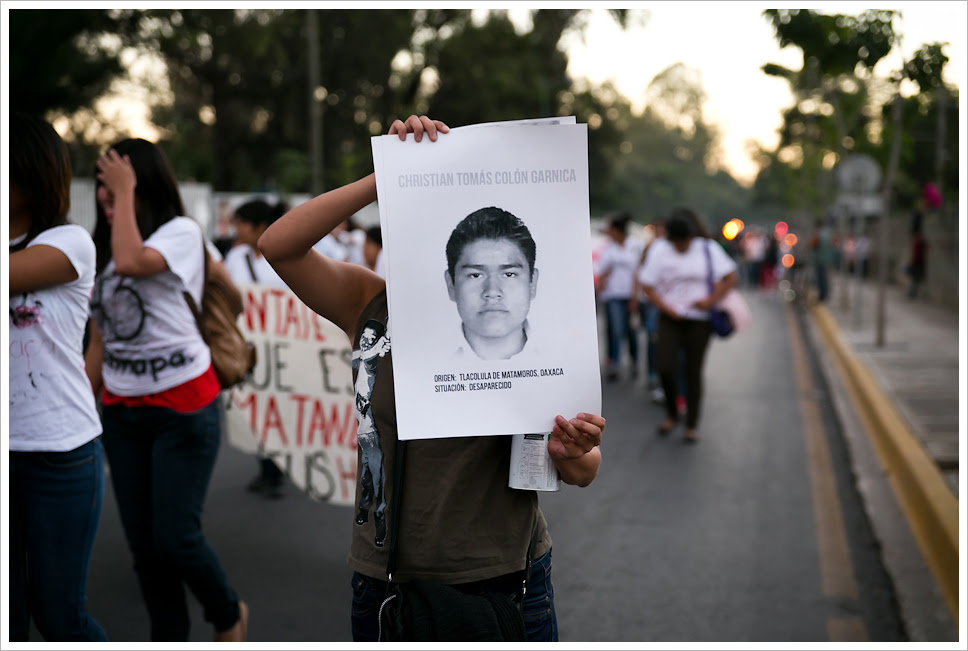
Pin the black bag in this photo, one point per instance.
(422, 611)
(719, 319)
(721, 322)
(430, 612)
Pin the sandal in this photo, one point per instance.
(666, 426)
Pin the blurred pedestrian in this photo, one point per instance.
(616, 273)
(447, 532)
(353, 239)
(754, 251)
(649, 317)
(246, 265)
(862, 254)
(823, 251)
(768, 268)
(160, 412)
(676, 276)
(373, 254)
(55, 472)
(917, 257)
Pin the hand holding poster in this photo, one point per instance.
(297, 406)
(490, 288)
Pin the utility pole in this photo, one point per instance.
(315, 102)
(886, 211)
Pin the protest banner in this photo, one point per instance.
(491, 297)
(297, 406)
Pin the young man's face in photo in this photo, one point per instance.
(493, 287)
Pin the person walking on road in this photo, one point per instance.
(616, 275)
(55, 472)
(649, 317)
(447, 533)
(675, 276)
(160, 411)
(917, 258)
(247, 265)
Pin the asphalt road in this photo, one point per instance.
(733, 539)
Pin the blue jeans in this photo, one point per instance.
(55, 507)
(539, 603)
(161, 463)
(617, 320)
(649, 314)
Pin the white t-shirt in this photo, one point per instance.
(681, 279)
(237, 264)
(332, 248)
(151, 338)
(353, 242)
(51, 402)
(622, 261)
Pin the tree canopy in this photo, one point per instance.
(239, 109)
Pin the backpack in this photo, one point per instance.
(233, 358)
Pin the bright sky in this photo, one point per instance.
(728, 43)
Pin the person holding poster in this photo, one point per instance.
(449, 532)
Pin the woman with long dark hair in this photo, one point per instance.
(159, 399)
(56, 471)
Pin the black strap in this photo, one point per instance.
(248, 261)
(399, 459)
(709, 267)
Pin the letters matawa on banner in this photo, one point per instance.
(297, 407)
(499, 336)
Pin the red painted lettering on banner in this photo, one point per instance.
(347, 476)
(255, 310)
(291, 318)
(249, 402)
(273, 420)
(315, 320)
(343, 430)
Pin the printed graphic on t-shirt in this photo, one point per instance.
(27, 313)
(122, 313)
(119, 310)
(373, 345)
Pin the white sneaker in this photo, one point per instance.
(658, 395)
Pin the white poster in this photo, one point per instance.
(297, 407)
(491, 297)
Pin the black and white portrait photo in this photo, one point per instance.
(492, 279)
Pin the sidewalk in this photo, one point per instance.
(899, 407)
(917, 367)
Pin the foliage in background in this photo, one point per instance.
(841, 109)
(237, 110)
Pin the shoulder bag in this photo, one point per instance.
(233, 358)
(422, 611)
(719, 319)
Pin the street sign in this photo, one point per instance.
(859, 174)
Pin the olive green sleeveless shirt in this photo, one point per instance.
(459, 520)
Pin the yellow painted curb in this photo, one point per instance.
(930, 506)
